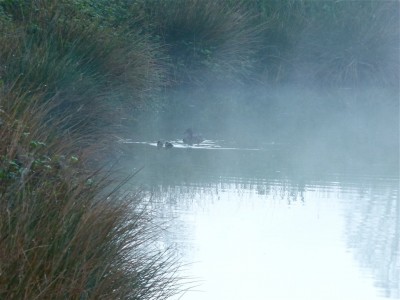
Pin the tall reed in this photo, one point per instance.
(96, 74)
(205, 40)
(65, 85)
(335, 43)
(62, 236)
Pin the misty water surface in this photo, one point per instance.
(299, 201)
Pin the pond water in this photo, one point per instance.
(262, 223)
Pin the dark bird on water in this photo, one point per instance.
(190, 138)
(168, 145)
(159, 144)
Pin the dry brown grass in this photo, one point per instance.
(61, 235)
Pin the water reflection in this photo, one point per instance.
(372, 228)
(259, 225)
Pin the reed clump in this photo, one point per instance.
(334, 43)
(357, 43)
(204, 40)
(65, 85)
(96, 73)
(61, 235)
(345, 43)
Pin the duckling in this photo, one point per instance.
(168, 145)
(159, 144)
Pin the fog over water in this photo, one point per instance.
(252, 148)
(294, 194)
(290, 189)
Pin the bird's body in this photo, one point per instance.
(168, 145)
(159, 144)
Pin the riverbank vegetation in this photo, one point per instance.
(73, 74)
(66, 230)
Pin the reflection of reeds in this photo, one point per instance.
(373, 233)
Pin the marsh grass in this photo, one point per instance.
(61, 235)
(351, 43)
(73, 73)
(205, 40)
(334, 43)
(94, 72)
(329, 43)
(82, 50)
(65, 84)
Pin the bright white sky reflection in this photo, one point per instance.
(252, 246)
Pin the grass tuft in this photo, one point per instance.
(61, 235)
(205, 40)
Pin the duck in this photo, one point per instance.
(191, 138)
(159, 144)
(168, 145)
